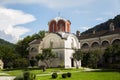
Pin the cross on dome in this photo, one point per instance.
(59, 18)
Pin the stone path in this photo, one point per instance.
(6, 77)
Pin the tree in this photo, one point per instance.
(39, 35)
(23, 45)
(8, 54)
(91, 59)
(77, 56)
(20, 63)
(46, 56)
(112, 56)
(94, 58)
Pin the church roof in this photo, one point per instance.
(64, 35)
(36, 41)
(59, 18)
(99, 34)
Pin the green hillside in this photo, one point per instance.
(105, 25)
(6, 43)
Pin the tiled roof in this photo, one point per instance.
(36, 41)
(98, 34)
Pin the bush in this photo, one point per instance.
(54, 75)
(68, 74)
(26, 76)
(20, 63)
(64, 75)
(29, 76)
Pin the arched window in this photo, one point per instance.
(105, 43)
(116, 41)
(85, 46)
(51, 43)
(33, 49)
(72, 43)
(52, 26)
(95, 44)
(61, 25)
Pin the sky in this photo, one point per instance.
(20, 18)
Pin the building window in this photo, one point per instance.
(105, 43)
(51, 43)
(60, 27)
(95, 44)
(116, 42)
(53, 27)
(72, 44)
(85, 46)
(34, 49)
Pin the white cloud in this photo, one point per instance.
(9, 21)
(50, 3)
(85, 28)
(81, 12)
(99, 19)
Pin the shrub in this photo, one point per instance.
(20, 63)
(29, 76)
(26, 76)
(64, 75)
(54, 75)
(32, 76)
(68, 74)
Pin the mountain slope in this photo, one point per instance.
(3, 42)
(105, 25)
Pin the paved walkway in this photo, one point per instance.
(6, 78)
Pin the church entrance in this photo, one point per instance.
(72, 62)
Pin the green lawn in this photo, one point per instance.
(77, 74)
(86, 76)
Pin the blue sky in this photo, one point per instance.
(20, 18)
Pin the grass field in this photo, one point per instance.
(77, 74)
(86, 76)
(37, 71)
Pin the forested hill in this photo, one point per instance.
(105, 25)
(6, 43)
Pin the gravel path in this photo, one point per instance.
(6, 78)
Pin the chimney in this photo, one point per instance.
(94, 31)
(78, 33)
(111, 26)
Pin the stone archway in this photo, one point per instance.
(95, 45)
(85, 46)
(116, 41)
(105, 44)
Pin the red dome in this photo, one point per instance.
(59, 24)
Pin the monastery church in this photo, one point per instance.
(60, 40)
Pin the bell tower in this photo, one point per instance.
(59, 24)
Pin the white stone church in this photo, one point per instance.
(60, 40)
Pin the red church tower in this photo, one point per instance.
(59, 24)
